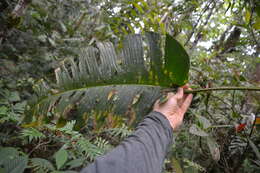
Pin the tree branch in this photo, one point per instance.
(195, 26)
(199, 35)
(40, 144)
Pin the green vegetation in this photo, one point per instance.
(77, 76)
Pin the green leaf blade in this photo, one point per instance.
(42, 164)
(214, 148)
(137, 68)
(195, 130)
(61, 157)
(16, 165)
(177, 61)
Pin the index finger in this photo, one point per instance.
(179, 93)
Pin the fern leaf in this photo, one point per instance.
(32, 134)
(102, 144)
(88, 149)
(76, 163)
(122, 131)
(41, 165)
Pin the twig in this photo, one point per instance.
(207, 106)
(222, 38)
(79, 22)
(194, 28)
(40, 144)
(225, 103)
(219, 99)
(221, 89)
(199, 35)
(221, 126)
(233, 104)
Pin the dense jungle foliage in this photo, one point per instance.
(76, 76)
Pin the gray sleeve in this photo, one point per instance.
(144, 151)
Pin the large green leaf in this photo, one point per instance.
(16, 165)
(177, 61)
(75, 163)
(214, 148)
(257, 9)
(61, 157)
(7, 153)
(11, 162)
(124, 79)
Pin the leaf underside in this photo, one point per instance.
(105, 78)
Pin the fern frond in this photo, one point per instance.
(88, 149)
(41, 165)
(102, 144)
(32, 134)
(68, 128)
(194, 165)
(122, 131)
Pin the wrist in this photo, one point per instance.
(168, 117)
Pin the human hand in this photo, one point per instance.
(175, 107)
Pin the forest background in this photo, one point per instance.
(38, 37)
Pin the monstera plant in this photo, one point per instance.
(122, 78)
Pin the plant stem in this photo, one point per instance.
(221, 89)
(221, 126)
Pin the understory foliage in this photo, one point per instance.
(76, 77)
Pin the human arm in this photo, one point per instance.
(144, 151)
